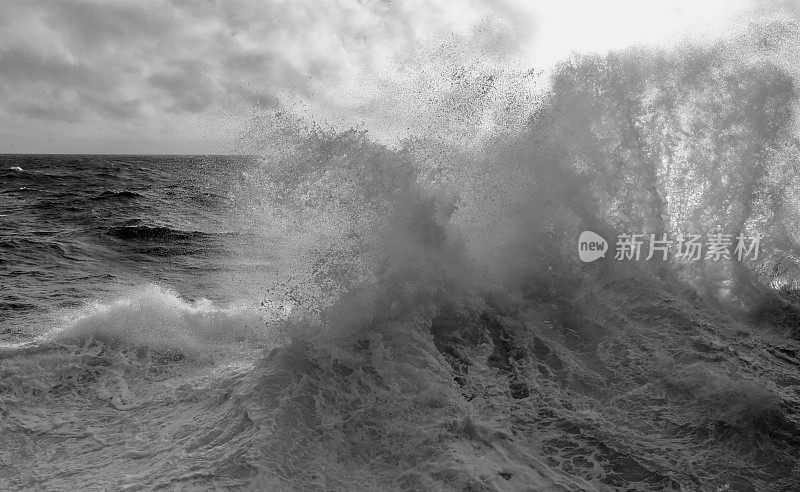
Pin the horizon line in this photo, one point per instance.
(119, 154)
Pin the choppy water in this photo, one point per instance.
(345, 315)
(110, 266)
(81, 227)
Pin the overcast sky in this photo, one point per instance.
(182, 76)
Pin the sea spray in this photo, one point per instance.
(465, 277)
(426, 322)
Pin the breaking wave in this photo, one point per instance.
(429, 326)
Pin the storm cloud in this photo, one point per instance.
(180, 75)
(105, 69)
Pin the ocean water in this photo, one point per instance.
(337, 313)
(78, 227)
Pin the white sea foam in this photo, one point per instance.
(158, 318)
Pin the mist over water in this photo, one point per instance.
(340, 312)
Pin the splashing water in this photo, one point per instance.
(427, 324)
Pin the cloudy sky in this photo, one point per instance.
(181, 76)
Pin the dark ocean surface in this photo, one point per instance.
(79, 228)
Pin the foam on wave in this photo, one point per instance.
(155, 317)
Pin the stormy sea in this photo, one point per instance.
(328, 310)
